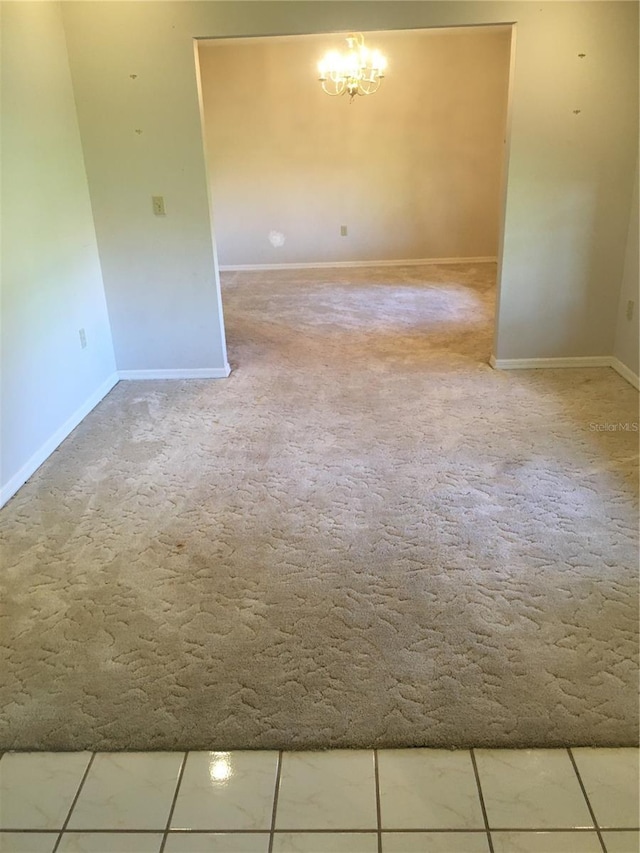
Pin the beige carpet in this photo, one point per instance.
(365, 536)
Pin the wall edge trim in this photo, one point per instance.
(572, 361)
(407, 262)
(45, 450)
(533, 363)
(54, 441)
(621, 368)
(177, 373)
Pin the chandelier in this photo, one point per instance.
(356, 72)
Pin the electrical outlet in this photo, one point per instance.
(83, 338)
(343, 230)
(158, 205)
(630, 307)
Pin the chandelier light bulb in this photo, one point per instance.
(356, 72)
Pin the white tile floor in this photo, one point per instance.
(357, 801)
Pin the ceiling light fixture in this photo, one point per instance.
(356, 72)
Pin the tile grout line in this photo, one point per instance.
(587, 800)
(74, 801)
(621, 829)
(485, 817)
(273, 832)
(376, 770)
(276, 793)
(575, 830)
(165, 834)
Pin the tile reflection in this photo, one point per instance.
(220, 769)
(227, 790)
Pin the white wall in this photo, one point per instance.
(413, 171)
(51, 280)
(570, 178)
(569, 181)
(135, 85)
(627, 337)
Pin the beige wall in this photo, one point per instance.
(51, 280)
(413, 171)
(626, 347)
(569, 180)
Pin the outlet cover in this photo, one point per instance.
(343, 230)
(83, 338)
(157, 202)
(630, 307)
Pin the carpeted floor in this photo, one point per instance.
(365, 536)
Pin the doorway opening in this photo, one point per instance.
(411, 178)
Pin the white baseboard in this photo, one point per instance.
(407, 262)
(186, 373)
(529, 363)
(43, 452)
(626, 372)
(577, 361)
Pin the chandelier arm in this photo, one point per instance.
(340, 88)
(368, 87)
